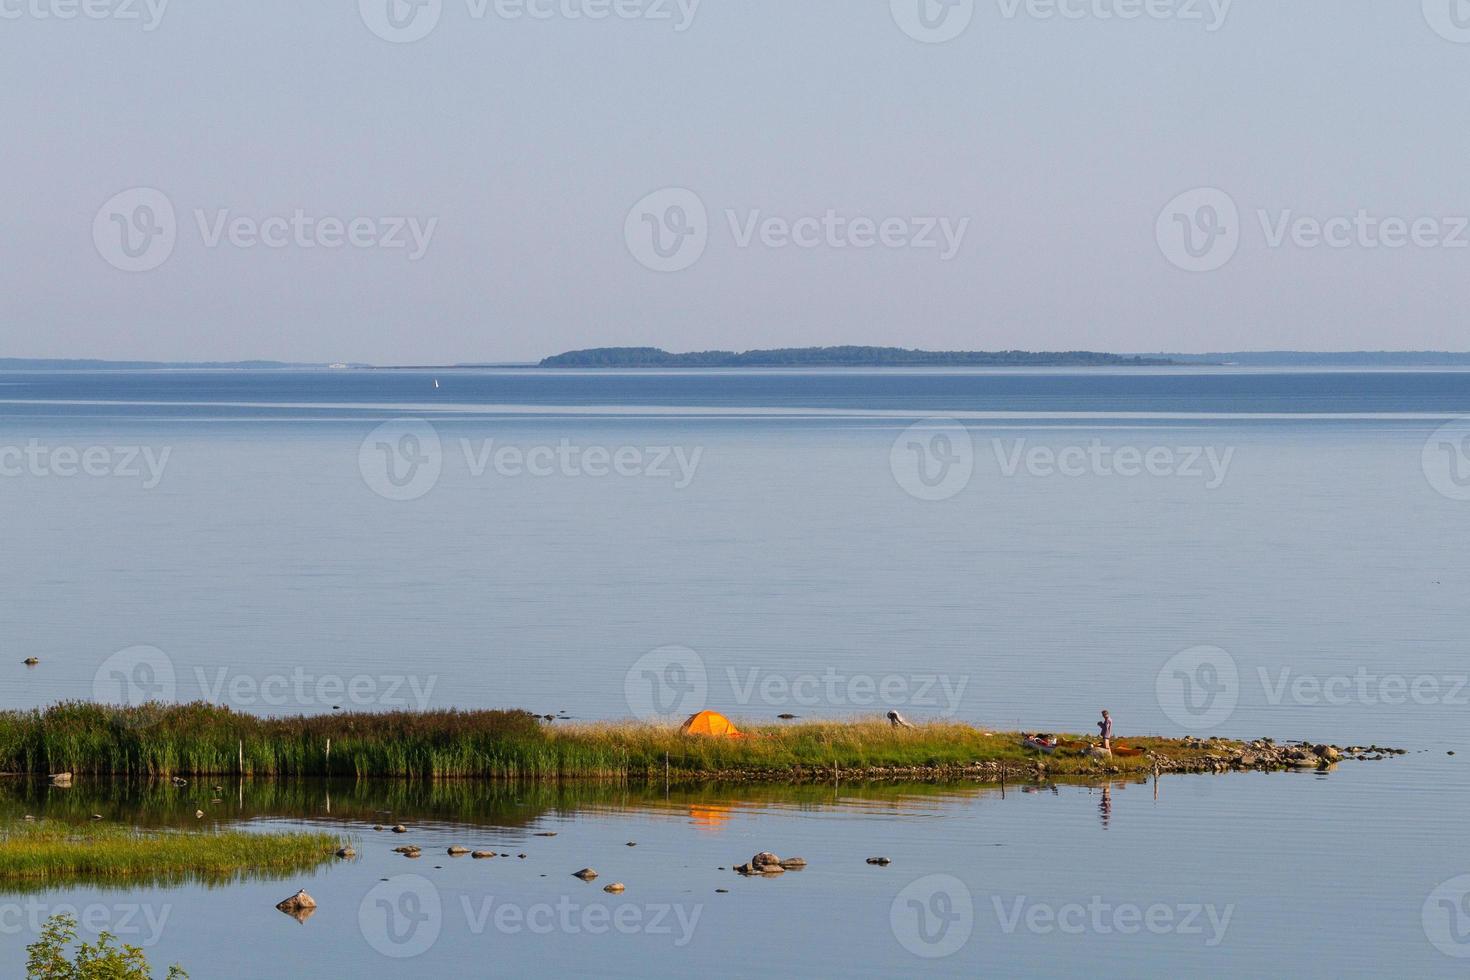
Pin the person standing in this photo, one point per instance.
(1105, 728)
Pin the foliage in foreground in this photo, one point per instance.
(50, 958)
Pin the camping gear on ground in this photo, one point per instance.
(710, 723)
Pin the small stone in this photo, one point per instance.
(400, 829)
(458, 851)
(346, 852)
(632, 843)
(586, 874)
(198, 814)
(786, 716)
(546, 833)
(520, 855)
(879, 860)
(378, 827)
(722, 891)
(764, 859)
(791, 864)
(481, 855)
(296, 903)
(615, 888)
(772, 869)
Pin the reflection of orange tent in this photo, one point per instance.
(708, 816)
(710, 723)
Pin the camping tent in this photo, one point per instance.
(710, 723)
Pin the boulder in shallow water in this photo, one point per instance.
(615, 888)
(764, 859)
(296, 902)
(586, 874)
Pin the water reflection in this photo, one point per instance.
(515, 807)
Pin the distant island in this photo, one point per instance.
(653, 357)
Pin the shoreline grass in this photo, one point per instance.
(202, 740)
(47, 852)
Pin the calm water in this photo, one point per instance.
(1286, 564)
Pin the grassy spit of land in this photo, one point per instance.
(206, 740)
(46, 851)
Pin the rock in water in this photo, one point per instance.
(296, 903)
(458, 851)
(615, 888)
(791, 864)
(765, 859)
(586, 874)
(400, 829)
(346, 852)
(481, 855)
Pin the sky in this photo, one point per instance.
(439, 181)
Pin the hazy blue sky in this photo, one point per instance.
(519, 145)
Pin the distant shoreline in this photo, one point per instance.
(801, 358)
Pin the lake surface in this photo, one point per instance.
(1231, 552)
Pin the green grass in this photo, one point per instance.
(155, 741)
(52, 852)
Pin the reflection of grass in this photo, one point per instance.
(47, 852)
(199, 739)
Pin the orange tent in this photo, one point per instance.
(710, 723)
